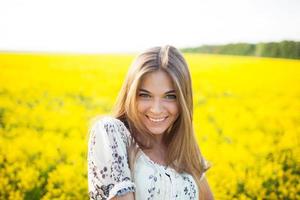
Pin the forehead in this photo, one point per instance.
(157, 81)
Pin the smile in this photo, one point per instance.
(156, 119)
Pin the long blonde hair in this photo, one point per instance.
(183, 153)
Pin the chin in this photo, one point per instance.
(156, 131)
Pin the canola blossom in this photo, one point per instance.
(246, 119)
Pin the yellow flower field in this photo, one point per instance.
(247, 120)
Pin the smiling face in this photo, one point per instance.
(156, 102)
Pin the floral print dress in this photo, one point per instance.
(109, 174)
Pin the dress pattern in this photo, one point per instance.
(109, 174)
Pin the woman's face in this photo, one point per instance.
(157, 102)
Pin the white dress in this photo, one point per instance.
(109, 174)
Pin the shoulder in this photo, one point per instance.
(111, 126)
(104, 121)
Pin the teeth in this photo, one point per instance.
(157, 120)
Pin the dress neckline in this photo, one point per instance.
(153, 162)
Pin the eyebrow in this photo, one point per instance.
(168, 92)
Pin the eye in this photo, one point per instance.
(171, 96)
(144, 95)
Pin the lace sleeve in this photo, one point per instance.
(108, 169)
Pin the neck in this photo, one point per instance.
(158, 141)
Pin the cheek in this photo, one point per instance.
(173, 108)
(142, 106)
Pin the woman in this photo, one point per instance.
(148, 149)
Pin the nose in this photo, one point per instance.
(156, 107)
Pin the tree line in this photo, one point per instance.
(283, 49)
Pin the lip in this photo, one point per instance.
(156, 119)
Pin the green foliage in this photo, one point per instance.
(284, 49)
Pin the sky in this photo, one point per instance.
(118, 26)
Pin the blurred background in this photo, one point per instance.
(63, 62)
